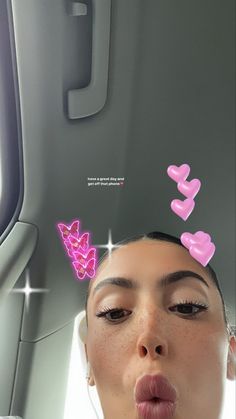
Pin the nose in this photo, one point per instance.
(152, 340)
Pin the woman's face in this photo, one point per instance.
(160, 323)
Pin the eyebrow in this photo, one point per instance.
(166, 280)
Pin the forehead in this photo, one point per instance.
(147, 257)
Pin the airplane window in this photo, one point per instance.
(9, 130)
(78, 399)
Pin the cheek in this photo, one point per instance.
(199, 347)
(198, 368)
(108, 353)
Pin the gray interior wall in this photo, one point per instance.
(42, 376)
(170, 100)
(10, 327)
(60, 154)
(184, 111)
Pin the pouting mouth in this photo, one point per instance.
(154, 400)
(154, 388)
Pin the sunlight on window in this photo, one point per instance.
(229, 411)
(77, 401)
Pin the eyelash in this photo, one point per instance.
(194, 304)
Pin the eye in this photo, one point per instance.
(188, 308)
(113, 315)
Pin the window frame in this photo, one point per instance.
(11, 154)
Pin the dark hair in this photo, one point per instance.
(158, 235)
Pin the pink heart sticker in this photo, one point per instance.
(188, 239)
(178, 173)
(183, 208)
(189, 189)
(203, 237)
(202, 252)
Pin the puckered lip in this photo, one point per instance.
(154, 387)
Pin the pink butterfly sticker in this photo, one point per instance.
(83, 258)
(88, 270)
(69, 248)
(79, 243)
(66, 230)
